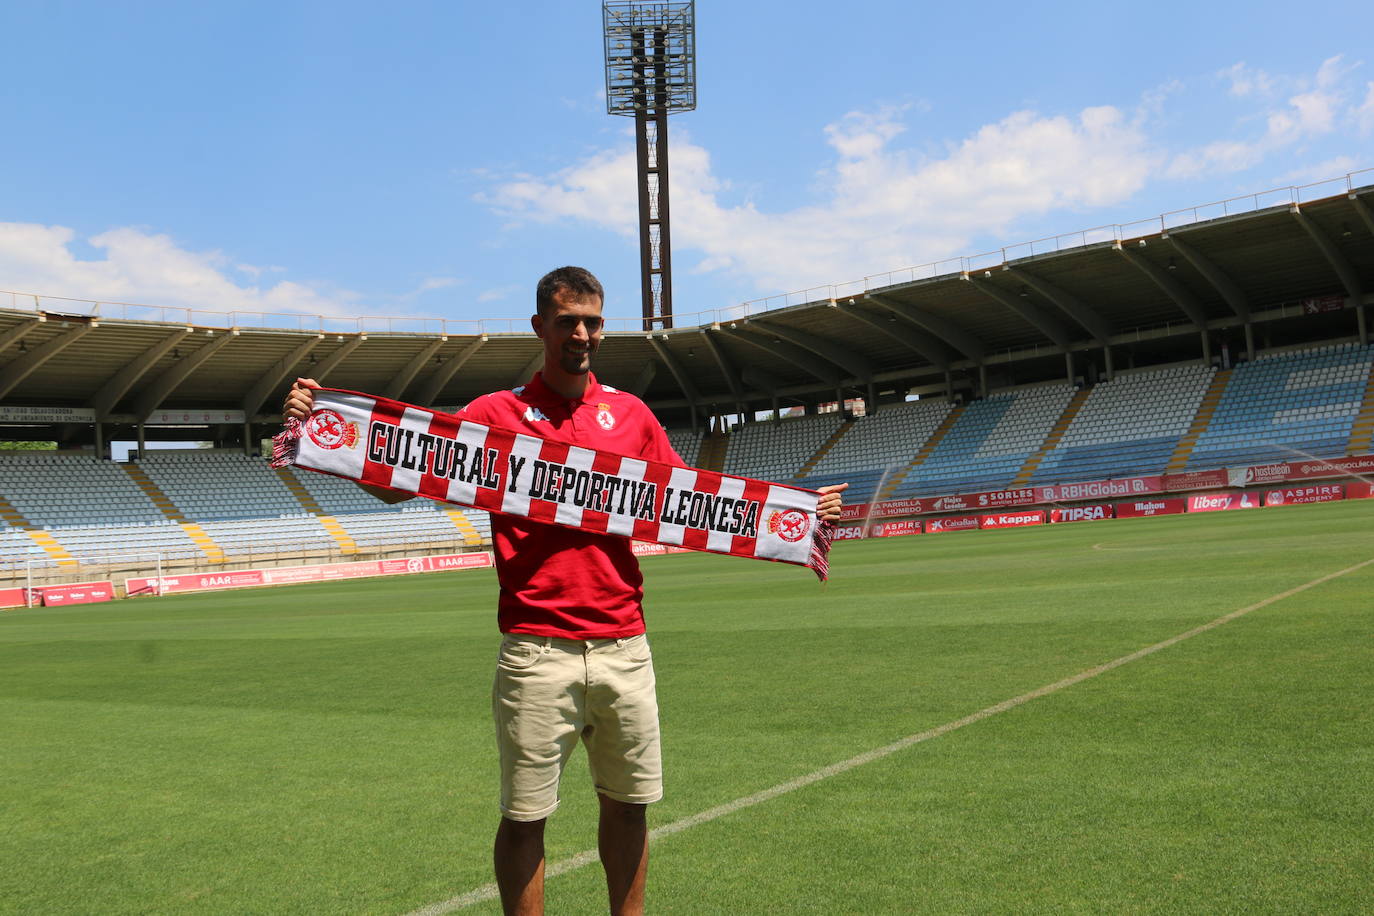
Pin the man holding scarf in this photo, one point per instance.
(574, 661)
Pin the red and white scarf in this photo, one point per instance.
(438, 455)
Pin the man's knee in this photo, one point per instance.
(625, 812)
(521, 832)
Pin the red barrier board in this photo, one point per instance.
(1217, 502)
(1195, 480)
(895, 529)
(1099, 489)
(288, 575)
(82, 593)
(849, 532)
(1294, 496)
(646, 549)
(1331, 467)
(1360, 489)
(1012, 519)
(1258, 474)
(953, 523)
(855, 512)
(1093, 513)
(1142, 508)
(12, 597)
(891, 508)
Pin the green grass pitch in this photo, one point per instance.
(327, 749)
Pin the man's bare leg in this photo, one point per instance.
(519, 857)
(623, 840)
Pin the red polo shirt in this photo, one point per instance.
(558, 581)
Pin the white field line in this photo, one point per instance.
(490, 892)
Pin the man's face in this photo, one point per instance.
(571, 331)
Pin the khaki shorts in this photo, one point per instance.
(550, 692)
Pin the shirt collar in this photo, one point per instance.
(536, 390)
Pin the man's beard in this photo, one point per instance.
(576, 363)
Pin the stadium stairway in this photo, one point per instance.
(43, 539)
(213, 552)
(1362, 432)
(713, 452)
(940, 431)
(471, 536)
(1060, 427)
(328, 522)
(1210, 400)
(825, 448)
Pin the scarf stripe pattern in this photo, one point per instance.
(443, 457)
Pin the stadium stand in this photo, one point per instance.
(877, 447)
(1128, 426)
(1287, 405)
(776, 451)
(687, 443)
(989, 442)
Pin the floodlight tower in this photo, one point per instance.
(651, 71)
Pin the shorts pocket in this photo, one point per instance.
(636, 648)
(517, 653)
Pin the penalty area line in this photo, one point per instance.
(563, 866)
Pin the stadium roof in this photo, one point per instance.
(1144, 292)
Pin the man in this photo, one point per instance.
(574, 661)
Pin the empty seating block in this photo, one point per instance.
(687, 443)
(1129, 426)
(877, 446)
(1286, 407)
(53, 489)
(113, 542)
(219, 485)
(989, 442)
(776, 450)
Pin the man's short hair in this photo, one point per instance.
(576, 280)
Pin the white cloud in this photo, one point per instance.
(1363, 115)
(148, 268)
(879, 205)
(1246, 80)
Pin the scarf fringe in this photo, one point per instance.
(820, 549)
(284, 444)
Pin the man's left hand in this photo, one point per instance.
(829, 505)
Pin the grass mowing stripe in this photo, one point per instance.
(587, 857)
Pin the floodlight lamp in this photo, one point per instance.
(987, 275)
(1141, 243)
(1173, 265)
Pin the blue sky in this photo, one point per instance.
(433, 159)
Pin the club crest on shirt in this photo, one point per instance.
(791, 524)
(604, 416)
(330, 431)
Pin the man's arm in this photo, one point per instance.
(300, 400)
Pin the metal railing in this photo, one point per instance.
(432, 327)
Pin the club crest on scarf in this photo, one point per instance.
(790, 525)
(329, 430)
(604, 416)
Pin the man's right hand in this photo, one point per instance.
(300, 399)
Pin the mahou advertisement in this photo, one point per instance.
(1143, 508)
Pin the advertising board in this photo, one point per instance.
(80, 593)
(895, 529)
(1313, 493)
(1195, 480)
(1143, 508)
(952, 523)
(1092, 513)
(1220, 502)
(290, 575)
(1099, 489)
(1012, 519)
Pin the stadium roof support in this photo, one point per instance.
(1183, 297)
(798, 356)
(429, 391)
(727, 368)
(947, 331)
(20, 331)
(1054, 329)
(278, 373)
(843, 357)
(645, 376)
(402, 379)
(113, 390)
(1235, 298)
(1067, 303)
(151, 397)
(1349, 278)
(331, 362)
(924, 345)
(1362, 208)
(19, 369)
(683, 379)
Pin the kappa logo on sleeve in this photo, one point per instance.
(328, 430)
(791, 525)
